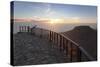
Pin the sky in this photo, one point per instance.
(47, 12)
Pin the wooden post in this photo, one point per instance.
(41, 33)
(19, 28)
(69, 50)
(25, 28)
(64, 43)
(60, 42)
(28, 29)
(78, 54)
(50, 36)
(54, 37)
(31, 30)
(57, 39)
(66, 46)
(22, 28)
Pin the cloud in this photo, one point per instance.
(88, 20)
(48, 8)
(58, 20)
(34, 19)
(22, 20)
(48, 11)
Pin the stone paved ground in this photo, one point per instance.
(30, 50)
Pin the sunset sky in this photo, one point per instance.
(56, 13)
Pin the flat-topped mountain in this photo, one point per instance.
(83, 28)
(86, 37)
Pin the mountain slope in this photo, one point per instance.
(85, 37)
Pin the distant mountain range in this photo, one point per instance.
(86, 37)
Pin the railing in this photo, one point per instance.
(24, 29)
(72, 49)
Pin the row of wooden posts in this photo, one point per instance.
(24, 29)
(72, 51)
(29, 29)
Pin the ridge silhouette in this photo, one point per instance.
(86, 37)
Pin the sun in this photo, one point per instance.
(53, 21)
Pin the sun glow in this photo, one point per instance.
(65, 20)
(76, 19)
(53, 21)
(58, 20)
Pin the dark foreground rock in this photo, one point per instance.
(30, 50)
